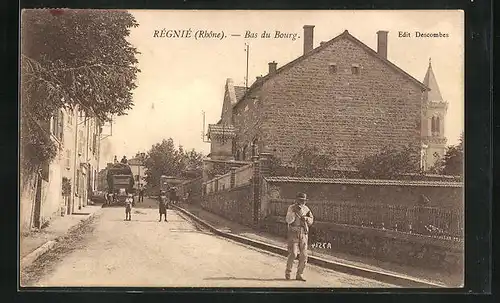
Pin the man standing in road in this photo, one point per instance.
(299, 218)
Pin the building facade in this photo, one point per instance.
(138, 170)
(342, 97)
(43, 195)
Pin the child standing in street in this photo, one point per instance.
(163, 205)
(128, 207)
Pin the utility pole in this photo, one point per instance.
(203, 131)
(247, 50)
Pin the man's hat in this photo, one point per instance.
(301, 196)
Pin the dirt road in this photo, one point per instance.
(144, 252)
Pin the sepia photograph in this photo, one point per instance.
(241, 148)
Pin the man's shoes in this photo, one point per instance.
(300, 278)
(287, 277)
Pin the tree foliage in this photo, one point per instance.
(164, 159)
(310, 162)
(69, 58)
(275, 164)
(453, 160)
(389, 163)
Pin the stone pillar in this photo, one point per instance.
(264, 163)
(264, 170)
(216, 189)
(256, 190)
(233, 177)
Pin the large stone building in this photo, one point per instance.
(76, 136)
(138, 169)
(341, 97)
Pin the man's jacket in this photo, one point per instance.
(299, 216)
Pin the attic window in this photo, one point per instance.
(355, 69)
(332, 68)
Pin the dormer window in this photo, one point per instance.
(332, 68)
(355, 69)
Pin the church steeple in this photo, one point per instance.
(434, 95)
(433, 119)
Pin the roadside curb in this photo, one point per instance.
(336, 266)
(47, 246)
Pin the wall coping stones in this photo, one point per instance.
(365, 181)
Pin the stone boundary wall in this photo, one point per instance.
(383, 245)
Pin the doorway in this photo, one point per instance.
(38, 203)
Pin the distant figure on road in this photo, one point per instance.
(173, 195)
(109, 198)
(128, 207)
(299, 218)
(141, 193)
(115, 160)
(124, 160)
(163, 205)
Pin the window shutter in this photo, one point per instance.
(68, 158)
(94, 143)
(61, 126)
(80, 143)
(53, 128)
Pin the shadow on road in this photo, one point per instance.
(243, 279)
(139, 220)
(189, 231)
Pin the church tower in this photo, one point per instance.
(433, 118)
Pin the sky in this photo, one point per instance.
(182, 77)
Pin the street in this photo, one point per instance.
(146, 253)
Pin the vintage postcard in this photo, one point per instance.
(277, 149)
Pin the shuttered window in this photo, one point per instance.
(94, 143)
(60, 126)
(68, 159)
(80, 142)
(77, 187)
(53, 126)
(57, 125)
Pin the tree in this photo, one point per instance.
(193, 164)
(310, 162)
(162, 159)
(453, 160)
(275, 164)
(165, 159)
(72, 58)
(389, 163)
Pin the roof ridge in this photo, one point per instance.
(322, 46)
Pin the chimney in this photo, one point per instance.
(308, 38)
(272, 67)
(382, 44)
